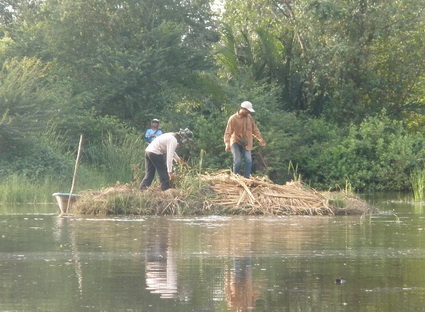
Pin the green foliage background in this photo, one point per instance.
(338, 87)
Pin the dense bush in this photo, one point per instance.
(377, 155)
(294, 142)
(34, 161)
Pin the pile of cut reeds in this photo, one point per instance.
(123, 199)
(221, 192)
(257, 196)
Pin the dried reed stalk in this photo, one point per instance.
(255, 196)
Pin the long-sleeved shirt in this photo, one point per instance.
(151, 132)
(240, 126)
(165, 144)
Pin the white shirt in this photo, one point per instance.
(165, 144)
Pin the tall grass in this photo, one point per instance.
(114, 160)
(418, 184)
(58, 143)
(20, 189)
(117, 159)
(294, 170)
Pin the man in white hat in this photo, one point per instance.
(240, 130)
(153, 132)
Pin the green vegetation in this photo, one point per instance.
(338, 87)
(418, 184)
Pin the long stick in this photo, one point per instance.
(77, 161)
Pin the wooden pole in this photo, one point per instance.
(77, 161)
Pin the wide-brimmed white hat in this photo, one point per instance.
(248, 106)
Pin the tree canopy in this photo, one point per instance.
(321, 66)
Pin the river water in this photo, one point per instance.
(219, 263)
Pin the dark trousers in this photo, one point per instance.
(155, 162)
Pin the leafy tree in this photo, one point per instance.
(107, 67)
(14, 10)
(358, 60)
(340, 59)
(28, 96)
(131, 59)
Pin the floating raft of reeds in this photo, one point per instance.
(257, 196)
(220, 192)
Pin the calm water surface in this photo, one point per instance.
(53, 263)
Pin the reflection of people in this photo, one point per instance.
(153, 132)
(241, 295)
(161, 271)
(159, 157)
(238, 137)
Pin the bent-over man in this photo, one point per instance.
(159, 157)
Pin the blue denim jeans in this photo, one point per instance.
(237, 152)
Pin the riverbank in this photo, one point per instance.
(220, 193)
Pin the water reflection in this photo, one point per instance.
(242, 281)
(419, 208)
(214, 263)
(240, 293)
(161, 273)
(64, 231)
(233, 283)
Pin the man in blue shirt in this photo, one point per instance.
(152, 133)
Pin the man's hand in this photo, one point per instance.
(263, 143)
(227, 148)
(172, 176)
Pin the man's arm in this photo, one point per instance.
(257, 134)
(171, 154)
(227, 134)
(147, 136)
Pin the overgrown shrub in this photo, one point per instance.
(296, 140)
(377, 155)
(34, 161)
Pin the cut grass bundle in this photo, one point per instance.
(128, 200)
(256, 196)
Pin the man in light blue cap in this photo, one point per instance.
(153, 132)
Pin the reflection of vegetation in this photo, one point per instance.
(418, 208)
(418, 184)
(397, 219)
